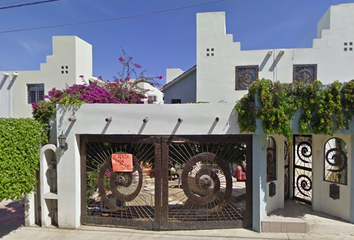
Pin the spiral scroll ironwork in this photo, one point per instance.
(336, 161)
(245, 76)
(304, 185)
(201, 180)
(336, 157)
(120, 184)
(304, 151)
(306, 73)
(305, 76)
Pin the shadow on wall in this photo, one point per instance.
(3, 81)
(12, 216)
(65, 123)
(232, 125)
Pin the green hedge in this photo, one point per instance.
(20, 141)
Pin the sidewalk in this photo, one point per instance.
(11, 216)
(104, 233)
(12, 221)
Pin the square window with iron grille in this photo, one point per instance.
(245, 76)
(35, 93)
(152, 98)
(306, 73)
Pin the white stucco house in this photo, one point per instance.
(197, 139)
(71, 58)
(224, 71)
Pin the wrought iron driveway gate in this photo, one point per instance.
(165, 182)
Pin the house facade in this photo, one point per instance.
(71, 58)
(197, 139)
(224, 72)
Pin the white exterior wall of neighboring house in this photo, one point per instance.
(185, 84)
(6, 96)
(172, 73)
(71, 58)
(218, 56)
(154, 95)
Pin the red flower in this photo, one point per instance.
(100, 77)
(159, 77)
(81, 76)
(121, 59)
(137, 65)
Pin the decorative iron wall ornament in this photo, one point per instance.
(334, 190)
(272, 189)
(245, 76)
(306, 73)
(336, 161)
(302, 168)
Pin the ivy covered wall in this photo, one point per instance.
(20, 141)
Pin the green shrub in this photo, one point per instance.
(20, 141)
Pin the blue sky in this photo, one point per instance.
(156, 41)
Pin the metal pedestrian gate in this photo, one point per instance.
(303, 168)
(166, 182)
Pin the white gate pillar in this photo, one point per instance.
(259, 181)
(351, 183)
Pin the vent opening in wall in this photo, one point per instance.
(210, 52)
(346, 46)
(64, 68)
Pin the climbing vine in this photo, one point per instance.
(323, 108)
(20, 141)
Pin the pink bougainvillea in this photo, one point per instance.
(123, 89)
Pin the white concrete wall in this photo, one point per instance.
(6, 96)
(216, 74)
(69, 52)
(259, 181)
(321, 200)
(185, 89)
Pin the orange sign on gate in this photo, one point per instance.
(122, 162)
